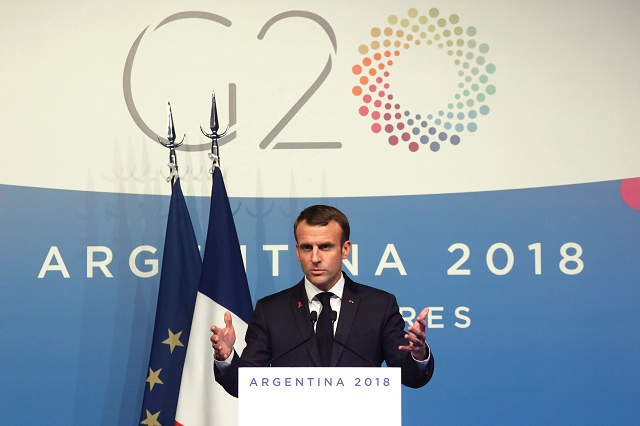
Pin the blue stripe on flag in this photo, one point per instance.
(223, 277)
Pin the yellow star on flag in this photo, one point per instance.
(174, 340)
(151, 420)
(154, 378)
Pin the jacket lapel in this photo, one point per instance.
(300, 309)
(348, 308)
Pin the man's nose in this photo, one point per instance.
(315, 255)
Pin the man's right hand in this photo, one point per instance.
(223, 339)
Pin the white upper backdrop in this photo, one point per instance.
(563, 111)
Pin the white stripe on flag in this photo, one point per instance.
(202, 401)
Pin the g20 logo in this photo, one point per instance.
(433, 128)
(389, 44)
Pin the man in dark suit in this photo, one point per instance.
(295, 327)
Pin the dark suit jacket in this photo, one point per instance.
(370, 324)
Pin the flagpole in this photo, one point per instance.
(214, 125)
(171, 137)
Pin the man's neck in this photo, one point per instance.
(336, 289)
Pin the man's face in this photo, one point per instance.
(320, 253)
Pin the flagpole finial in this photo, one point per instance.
(214, 125)
(171, 137)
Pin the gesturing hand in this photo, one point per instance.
(223, 339)
(417, 337)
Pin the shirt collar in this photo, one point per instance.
(312, 290)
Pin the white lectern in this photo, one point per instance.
(295, 396)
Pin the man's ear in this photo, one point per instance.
(297, 252)
(346, 249)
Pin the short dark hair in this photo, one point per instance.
(321, 215)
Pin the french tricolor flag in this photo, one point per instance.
(223, 287)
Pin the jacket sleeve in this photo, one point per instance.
(414, 374)
(229, 379)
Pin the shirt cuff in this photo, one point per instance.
(426, 360)
(223, 365)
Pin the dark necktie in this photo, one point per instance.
(324, 329)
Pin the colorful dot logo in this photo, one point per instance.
(437, 127)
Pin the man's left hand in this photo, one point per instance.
(417, 337)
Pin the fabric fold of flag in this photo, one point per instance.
(179, 279)
(223, 286)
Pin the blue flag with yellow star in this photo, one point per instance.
(179, 278)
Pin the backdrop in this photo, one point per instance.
(485, 153)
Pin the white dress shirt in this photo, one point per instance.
(335, 301)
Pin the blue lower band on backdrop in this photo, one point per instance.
(533, 295)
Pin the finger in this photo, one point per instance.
(418, 332)
(413, 339)
(423, 314)
(411, 348)
(227, 320)
(417, 327)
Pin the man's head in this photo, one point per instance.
(320, 215)
(322, 241)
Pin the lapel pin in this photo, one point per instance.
(350, 301)
(299, 304)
